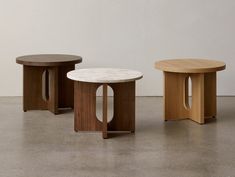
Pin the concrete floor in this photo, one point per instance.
(39, 144)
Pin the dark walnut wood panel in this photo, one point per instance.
(48, 60)
(32, 89)
(52, 101)
(65, 87)
(105, 111)
(124, 107)
(60, 89)
(85, 107)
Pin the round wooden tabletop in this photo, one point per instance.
(190, 65)
(48, 60)
(104, 75)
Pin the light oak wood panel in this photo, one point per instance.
(174, 96)
(176, 105)
(197, 109)
(190, 65)
(210, 95)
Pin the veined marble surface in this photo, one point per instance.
(104, 75)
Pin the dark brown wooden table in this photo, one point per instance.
(45, 85)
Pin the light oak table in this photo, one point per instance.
(45, 85)
(86, 83)
(176, 94)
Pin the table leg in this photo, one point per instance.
(124, 107)
(176, 104)
(175, 96)
(65, 87)
(32, 88)
(47, 88)
(105, 111)
(210, 95)
(197, 110)
(85, 107)
(52, 101)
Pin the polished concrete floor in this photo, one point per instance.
(40, 144)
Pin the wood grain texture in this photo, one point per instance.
(197, 109)
(176, 104)
(124, 107)
(85, 107)
(190, 65)
(52, 102)
(48, 60)
(65, 87)
(210, 95)
(203, 75)
(45, 83)
(55, 93)
(174, 97)
(32, 88)
(105, 111)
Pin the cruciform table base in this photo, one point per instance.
(176, 102)
(85, 107)
(47, 88)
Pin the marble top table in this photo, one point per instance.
(104, 75)
(176, 84)
(86, 83)
(46, 86)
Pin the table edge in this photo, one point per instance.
(107, 82)
(61, 63)
(196, 70)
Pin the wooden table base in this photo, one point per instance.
(176, 103)
(85, 107)
(47, 88)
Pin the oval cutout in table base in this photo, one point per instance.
(188, 93)
(99, 104)
(45, 85)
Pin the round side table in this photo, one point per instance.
(45, 85)
(87, 81)
(176, 97)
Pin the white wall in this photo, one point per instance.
(118, 33)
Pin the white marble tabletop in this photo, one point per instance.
(104, 75)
